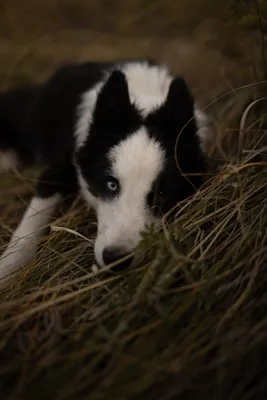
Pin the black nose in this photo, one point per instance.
(113, 254)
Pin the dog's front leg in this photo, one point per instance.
(23, 244)
(53, 184)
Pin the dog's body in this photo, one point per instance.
(123, 134)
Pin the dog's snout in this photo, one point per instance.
(113, 254)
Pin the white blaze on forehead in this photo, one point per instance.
(148, 85)
(137, 161)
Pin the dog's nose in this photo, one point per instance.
(113, 254)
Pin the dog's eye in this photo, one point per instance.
(159, 195)
(112, 185)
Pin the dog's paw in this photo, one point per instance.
(16, 256)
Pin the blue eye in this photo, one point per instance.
(112, 185)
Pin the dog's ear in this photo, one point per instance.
(113, 103)
(115, 92)
(179, 104)
(177, 112)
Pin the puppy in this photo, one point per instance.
(127, 135)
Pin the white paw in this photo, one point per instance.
(16, 256)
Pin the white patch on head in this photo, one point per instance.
(9, 161)
(136, 163)
(148, 85)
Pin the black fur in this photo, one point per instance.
(174, 125)
(17, 108)
(58, 178)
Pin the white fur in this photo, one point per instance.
(136, 162)
(8, 161)
(148, 85)
(23, 244)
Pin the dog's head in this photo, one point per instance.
(132, 163)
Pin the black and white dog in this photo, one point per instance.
(128, 135)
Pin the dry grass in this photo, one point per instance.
(190, 322)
